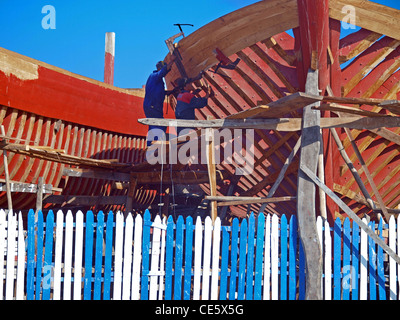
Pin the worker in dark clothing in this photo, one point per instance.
(186, 104)
(153, 104)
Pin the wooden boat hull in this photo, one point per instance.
(271, 39)
(42, 105)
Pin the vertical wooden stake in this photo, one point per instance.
(131, 193)
(109, 58)
(321, 176)
(212, 171)
(6, 173)
(39, 197)
(309, 153)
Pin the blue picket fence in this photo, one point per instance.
(109, 256)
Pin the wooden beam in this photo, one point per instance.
(236, 201)
(360, 199)
(387, 134)
(146, 177)
(351, 110)
(306, 194)
(54, 155)
(349, 100)
(28, 187)
(369, 15)
(279, 108)
(283, 124)
(85, 200)
(351, 214)
(282, 173)
(352, 168)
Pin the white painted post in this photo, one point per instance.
(155, 258)
(58, 256)
(207, 258)
(127, 271)
(392, 263)
(162, 261)
(197, 259)
(137, 258)
(69, 229)
(21, 260)
(274, 257)
(11, 233)
(119, 236)
(328, 261)
(78, 255)
(267, 259)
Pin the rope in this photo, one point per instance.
(161, 182)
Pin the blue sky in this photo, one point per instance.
(77, 42)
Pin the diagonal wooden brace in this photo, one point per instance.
(351, 214)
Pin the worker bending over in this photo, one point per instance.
(153, 103)
(186, 104)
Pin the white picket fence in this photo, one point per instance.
(135, 258)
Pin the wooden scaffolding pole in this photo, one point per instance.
(6, 173)
(306, 209)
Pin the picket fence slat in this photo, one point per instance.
(293, 238)
(372, 264)
(259, 256)
(78, 255)
(162, 260)
(328, 261)
(137, 257)
(68, 256)
(267, 259)
(380, 265)
(188, 258)
(155, 256)
(250, 258)
(274, 257)
(98, 256)
(108, 257)
(348, 277)
(58, 255)
(178, 259)
(224, 264)
(140, 258)
(48, 255)
(337, 243)
(198, 247)
(169, 258)
(392, 263)
(234, 253)
(355, 260)
(283, 264)
(363, 263)
(119, 239)
(242, 260)
(215, 259)
(126, 278)
(205, 290)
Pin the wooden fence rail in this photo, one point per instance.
(93, 257)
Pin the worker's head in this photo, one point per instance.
(160, 65)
